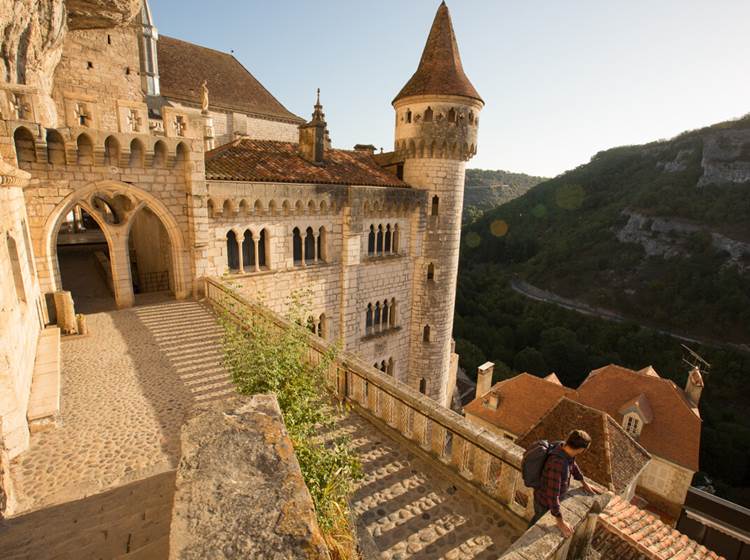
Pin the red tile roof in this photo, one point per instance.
(183, 66)
(280, 162)
(674, 434)
(626, 532)
(440, 70)
(522, 401)
(613, 460)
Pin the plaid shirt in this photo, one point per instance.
(556, 474)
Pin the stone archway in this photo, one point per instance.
(124, 201)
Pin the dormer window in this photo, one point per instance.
(632, 425)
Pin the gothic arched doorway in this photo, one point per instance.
(150, 249)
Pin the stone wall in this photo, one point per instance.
(129, 522)
(240, 492)
(665, 485)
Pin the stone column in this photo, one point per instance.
(256, 243)
(119, 257)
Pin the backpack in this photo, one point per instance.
(533, 461)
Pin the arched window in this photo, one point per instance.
(15, 264)
(387, 244)
(368, 319)
(435, 205)
(297, 246)
(426, 334)
(160, 154)
(452, 115)
(385, 314)
(383, 366)
(25, 147)
(380, 240)
(394, 242)
(258, 208)
(377, 316)
(226, 208)
(389, 369)
(233, 252)
(55, 147)
(85, 150)
(136, 153)
(309, 246)
(322, 249)
(430, 272)
(181, 155)
(248, 251)
(111, 151)
(408, 115)
(428, 115)
(392, 313)
(210, 208)
(371, 241)
(262, 247)
(423, 386)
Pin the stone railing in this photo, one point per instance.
(485, 463)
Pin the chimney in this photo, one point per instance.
(484, 379)
(313, 136)
(366, 148)
(492, 401)
(694, 386)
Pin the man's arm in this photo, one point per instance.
(578, 475)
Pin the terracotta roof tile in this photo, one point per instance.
(280, 162)
(626, 532)
(183, 66)
(522, 401)
(613, 460)
(674, 433)
(440, 70)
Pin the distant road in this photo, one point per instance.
(532, 292)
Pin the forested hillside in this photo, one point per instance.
(486, 189)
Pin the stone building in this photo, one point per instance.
(135, 163)
(660, 416)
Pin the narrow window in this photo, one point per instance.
(408, 115)
(368, 319)
(309, 246)
(15, 263)
(430, 272)
(428, 115)
(233, 252)
(297, 246)
(378, 316)
(435, 205)
(248, 251)
(452, 115)
(387, 245)
(322, 330)
(371, 241)
(385, 314)
(380, 240)
(394, 242)
(262, 249)
(389, 369)
(322, 250)
(426, 334)
(423, 386)
(392, 312)
(383, 366)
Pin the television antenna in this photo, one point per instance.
(694, 360)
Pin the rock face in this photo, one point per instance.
(96, 14)
(726, 157)
(240, 492)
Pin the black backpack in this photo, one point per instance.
(533, 461)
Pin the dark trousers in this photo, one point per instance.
(539, 511)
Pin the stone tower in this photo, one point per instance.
(436, 133)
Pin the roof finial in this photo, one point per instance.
(317, 102)
(318, 115)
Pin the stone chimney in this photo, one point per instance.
(313, 136)
(366, 148)
(694, 386)
(484, 379)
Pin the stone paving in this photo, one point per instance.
(126, 388)
(411, 511)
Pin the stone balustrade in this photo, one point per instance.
(482, 461)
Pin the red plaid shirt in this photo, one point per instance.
(556, 474)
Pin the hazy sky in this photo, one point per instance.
(561, 79)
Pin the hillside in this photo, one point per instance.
(657, 234)
(486, 189)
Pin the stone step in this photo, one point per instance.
(44, 401)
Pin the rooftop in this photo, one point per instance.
(183, 66)
(280, 162)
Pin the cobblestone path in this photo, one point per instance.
(126, 388)
(411, 511)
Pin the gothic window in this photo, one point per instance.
(426, 334)
(111, 151)
(368, 319)
(15, 263)
(25, 148)
(371, 241)
(297, 246)
(55, 148)
(160, 154)
(430, 272)
(380, 240)
(136, 153)
(392, 313)
(385, 314)
(423, 386)
(394, 242)
(262, 248)
(452, 115)
(408, 115)
(435, 205)
(322, 250)
(85, 150)
(387, 244)
(383, 366)
(309, 246)
(248, 251)
(233, 252)
(428, 115)
(377, 316)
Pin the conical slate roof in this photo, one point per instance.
(440, 71)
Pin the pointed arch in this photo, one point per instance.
(112, 151)
(233, 252)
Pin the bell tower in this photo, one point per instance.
(437, 116)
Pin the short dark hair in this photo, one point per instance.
(578, 439)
